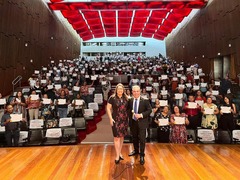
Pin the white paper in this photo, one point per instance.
(163, 122)
(93, 78)
(110, 78)
(189, 85)
(61, 101)
(44, 68)
(189, 70)
(134, 80)
(178, 96)
(163, 102)
(226, 109)
(181, 86)
(50, 86)
(36, 72)
(208, 111)
(199, 102)
(104, 82)
(203, 84)
(183, 78)
(196, 77)
(87, 76)
(91, 90)
(58, 86)
(192, 105)
(93, 106)
(46, 101)
(64, 78)
(154, 95)
(164, 92)
(148, 88)
(142, 80)
(164, 77)
(16, 117)
(174, 79)
(195, 87)
(36, 124)
(144, 96)
(206, 134)
(179, 75)
(54, 133)
(215, 93)
(79, 102)
(63, 122)
(155, 84)
(76, 88)
(43, 81)
(48, 74)
(217, 83)
(88, 112)
(179, 120)
(3, 101)
(34, 97)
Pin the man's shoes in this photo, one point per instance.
(133, 153)
(142, 161)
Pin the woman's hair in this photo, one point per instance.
(124, 92)
(22, 97)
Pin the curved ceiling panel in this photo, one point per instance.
(108, 18)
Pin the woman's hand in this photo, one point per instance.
(112, 121)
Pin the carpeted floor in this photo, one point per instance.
(103, 133)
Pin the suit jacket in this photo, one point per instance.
(144, 108)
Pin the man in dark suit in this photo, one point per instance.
(139, 112)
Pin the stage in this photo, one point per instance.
(163, 161)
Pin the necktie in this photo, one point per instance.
(135, 108)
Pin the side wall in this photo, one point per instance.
(210, 32)
(29, 31)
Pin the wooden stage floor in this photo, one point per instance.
(163, 161)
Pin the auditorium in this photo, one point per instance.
(119, 89)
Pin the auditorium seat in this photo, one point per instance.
(52, 136)
(80, 123)
(223, 137)
(69, 136)
(205, 136)
(35, 137)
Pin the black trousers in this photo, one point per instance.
(12, 135)
(139, 137)
(194, 122)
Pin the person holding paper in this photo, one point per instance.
(33, 104)
(200, 97)
(84, 91)
(192, 109)
(117, 108)
(209, 118)
(228, 109)
(78, 105)
(19, 104)
(163, 128)
(180, 98)
(106, 87)
(139, 112)
(12, 129)
(203, 86)
(62, 108)
(46, 108)
(178, 122)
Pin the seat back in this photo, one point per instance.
(205, 136)
(65, 122)
(80, 123)
(93, 106)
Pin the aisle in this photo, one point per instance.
(103, 134)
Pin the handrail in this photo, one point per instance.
(16, 81)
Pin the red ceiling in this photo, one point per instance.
(151, 19)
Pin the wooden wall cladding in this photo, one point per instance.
(210, 32)
(26, 28)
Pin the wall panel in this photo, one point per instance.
(31, 22)
(210, 32)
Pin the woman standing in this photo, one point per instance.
(226, 119)
(19, 104)
(163, 128)
(209, 117)
(118, 116)
(178, 122)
